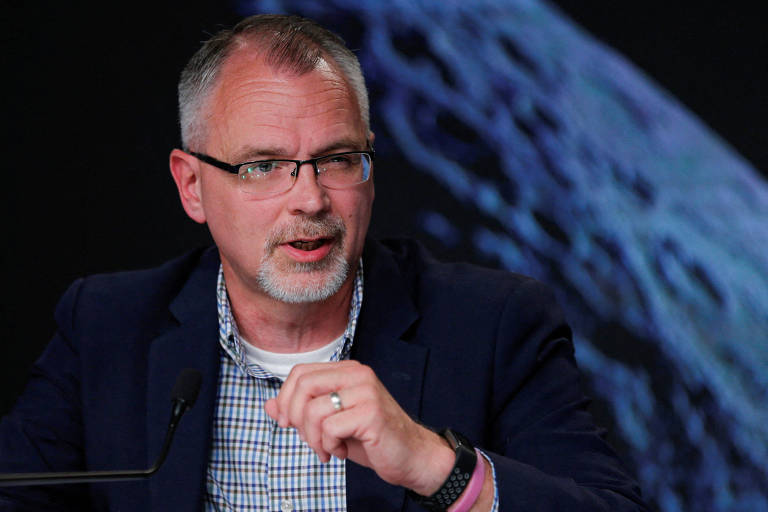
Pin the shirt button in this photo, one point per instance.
(286, 505)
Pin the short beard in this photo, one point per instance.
(278, 279)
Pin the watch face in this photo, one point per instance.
(455, 439)
(451, 438)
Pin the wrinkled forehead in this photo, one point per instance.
(252, 92)
(249, 64)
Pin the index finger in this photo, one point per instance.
(307, 381)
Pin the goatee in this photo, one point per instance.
(300, 282)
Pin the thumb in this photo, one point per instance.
(271, 407)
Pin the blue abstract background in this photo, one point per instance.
(529, 145)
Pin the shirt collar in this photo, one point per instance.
(231, 342)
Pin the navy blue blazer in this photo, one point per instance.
(482, 351)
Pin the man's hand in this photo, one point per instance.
(370, 429)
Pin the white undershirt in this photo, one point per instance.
(280, 365)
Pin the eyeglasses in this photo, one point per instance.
(263, 179)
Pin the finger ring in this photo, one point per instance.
(336, 401)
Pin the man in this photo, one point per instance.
(330, 362)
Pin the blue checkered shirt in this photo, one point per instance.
(254, 464)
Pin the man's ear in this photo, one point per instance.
(186, 173)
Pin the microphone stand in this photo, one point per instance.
(184, 392)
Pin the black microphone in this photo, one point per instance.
(184, 394)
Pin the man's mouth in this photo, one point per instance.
(309, 245)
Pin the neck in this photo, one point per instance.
(278, 326)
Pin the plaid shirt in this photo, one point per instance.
(254, 464)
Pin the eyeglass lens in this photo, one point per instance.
(272, 177)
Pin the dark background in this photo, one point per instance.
(712, 59)
(89, 117)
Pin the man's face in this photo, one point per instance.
(301, 245)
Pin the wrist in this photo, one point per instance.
(434, 464)
(458, 478)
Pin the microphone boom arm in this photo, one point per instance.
(184, 395)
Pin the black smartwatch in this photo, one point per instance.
(454, 485)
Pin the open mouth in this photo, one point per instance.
(309, 245)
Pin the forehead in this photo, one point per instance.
(255, 104)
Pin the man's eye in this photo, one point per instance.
(340, 159)
(261, 167)
(341, 163)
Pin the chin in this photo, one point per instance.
(301, 283)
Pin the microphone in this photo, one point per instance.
(183, 397)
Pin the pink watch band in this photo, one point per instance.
(475, 485)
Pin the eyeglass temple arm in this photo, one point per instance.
(234, 169)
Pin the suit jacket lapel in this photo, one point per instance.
(178, 485)
(387, 313)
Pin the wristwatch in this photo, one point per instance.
(454, 485)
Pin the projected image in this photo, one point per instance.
(526, 144)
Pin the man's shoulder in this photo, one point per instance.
(460, 305)
(140, 288)
(169, 274)
(427, 276)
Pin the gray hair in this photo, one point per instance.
(290, 43)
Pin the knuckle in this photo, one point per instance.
(296, 371)
(302, 381)
(328, 426)
(365, 372)
(313, 412)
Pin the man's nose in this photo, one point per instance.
(307, 196)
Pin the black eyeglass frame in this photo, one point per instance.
(235, 168)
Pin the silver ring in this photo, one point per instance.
(336, 401)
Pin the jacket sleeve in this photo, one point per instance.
(44, 430)
(547, 452)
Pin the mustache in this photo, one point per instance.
(303, 228)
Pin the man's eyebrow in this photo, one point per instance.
(341, 145)
(251, 153)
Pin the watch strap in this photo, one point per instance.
(459, 477)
